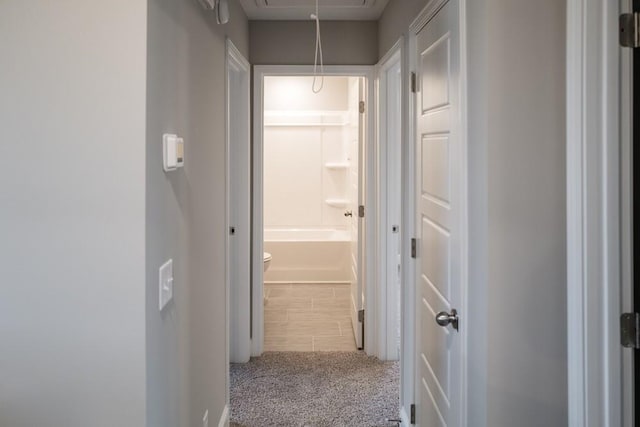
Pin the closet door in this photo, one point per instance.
(438, 221)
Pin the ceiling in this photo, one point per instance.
(329, 10)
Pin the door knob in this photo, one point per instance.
(443, 318)
(348, 213)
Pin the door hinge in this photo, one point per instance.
(361, 107)
(414, 244)
(630, 330)
(413, 413)
(629, 30)
(361, 211)
(413, 83)
(361, 316)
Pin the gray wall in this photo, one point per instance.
(72, 114)
(186, 366)
(395, 21)
(517, 291)
(293, 42)
(517, 189)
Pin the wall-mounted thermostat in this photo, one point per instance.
(172, 152)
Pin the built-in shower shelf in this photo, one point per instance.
(337, 203)
(336, 165)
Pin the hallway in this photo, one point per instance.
(132, 134)
(321, 389)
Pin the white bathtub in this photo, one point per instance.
(307, 256)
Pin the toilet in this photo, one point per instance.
(267, 260)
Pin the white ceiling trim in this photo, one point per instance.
(311, 3)
(342, 10)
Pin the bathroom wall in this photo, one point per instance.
(72, 213)
(295, 94)
(297, 181)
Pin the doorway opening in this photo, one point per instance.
(313, 150)
(318, 292)
(309, 197)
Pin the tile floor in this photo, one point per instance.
(302, 317)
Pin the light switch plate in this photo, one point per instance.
(166, 283)
(169, 152)
(179, 152)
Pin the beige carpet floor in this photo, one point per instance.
(319, 389)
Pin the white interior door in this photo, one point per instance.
(439, 204)
(356, 191)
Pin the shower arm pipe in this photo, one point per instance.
(316, 17)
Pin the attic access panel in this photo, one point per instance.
(266, 4)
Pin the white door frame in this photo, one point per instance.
(257, 309)
(389, 190)
(598, 71)
(409, 267)
(237, 174)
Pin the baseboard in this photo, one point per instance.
(405, 421)
(224, 418)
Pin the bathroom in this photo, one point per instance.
(311, 157)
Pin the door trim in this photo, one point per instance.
(594, 140)
(257, 309)
(389, 180)
(409, 273)
(235, 61)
